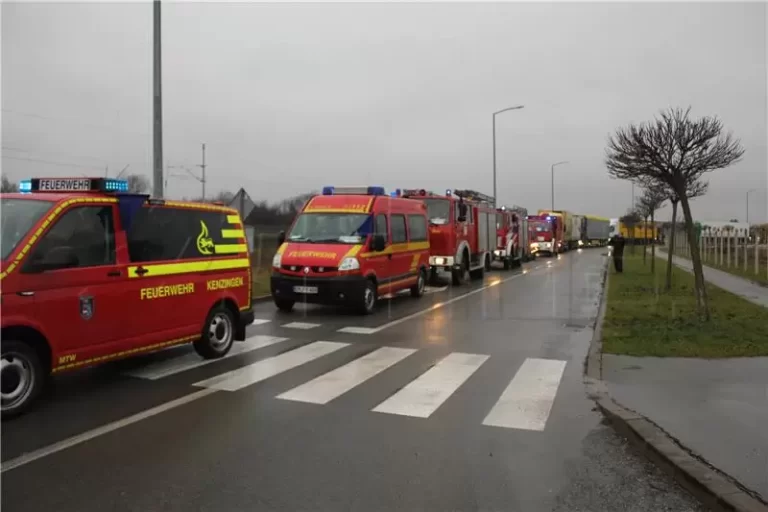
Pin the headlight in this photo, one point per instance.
(349, 264)
(276, 259)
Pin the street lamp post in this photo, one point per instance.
(748, 192)
(552, 169)
(518, 107)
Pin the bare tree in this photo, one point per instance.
(8, 185)
(675, 150)
(649, 202)
(696, 188)
(137, 183)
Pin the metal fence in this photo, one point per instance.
(739, 250)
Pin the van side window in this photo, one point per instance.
(381, 226)
(417, 226)
(88, 232)
(160, 233)
(399, 234)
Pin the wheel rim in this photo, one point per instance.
(368, 299)
(220, 331)
(421, 284)
(16, 377)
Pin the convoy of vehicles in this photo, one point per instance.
(79, 255)
(92, 273)
(640, 233)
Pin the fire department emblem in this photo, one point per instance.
(306, 270)
(86, 308)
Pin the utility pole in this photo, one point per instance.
(157, 105)
(202, 166)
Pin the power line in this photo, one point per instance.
(51, 162)
(71, 121)
(53, 153)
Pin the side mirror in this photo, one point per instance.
(378, 243)
(280, 238)
(57, 258)
(462, 212)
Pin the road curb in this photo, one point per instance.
(260, 299)
(713, 488)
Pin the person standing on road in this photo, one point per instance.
(618, 242)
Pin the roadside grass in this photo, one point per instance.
(260, 277)
(642, 319)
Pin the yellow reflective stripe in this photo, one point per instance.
(234, 219)
(169, 269)
(398, 248)
(351, 253)
(231, 249)
(282, 248)
(232, 233)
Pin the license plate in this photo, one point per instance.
(305, 289)
(540, 239)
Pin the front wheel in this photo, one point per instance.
(459, 276)
(368, 302)
(218, 334)
(22, 377)
(417, 290)
(284, 305)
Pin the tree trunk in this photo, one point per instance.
(645, 238)
(671, 247)
(653, 246)
(702, 304)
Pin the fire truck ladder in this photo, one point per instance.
(472, 195)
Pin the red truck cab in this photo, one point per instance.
(546, 234)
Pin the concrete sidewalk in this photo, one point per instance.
(734, 284)
(716, 408)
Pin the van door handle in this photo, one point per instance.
(113, 273)
(140, 271)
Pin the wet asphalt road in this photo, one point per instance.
(469, 399)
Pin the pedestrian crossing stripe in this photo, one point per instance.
(525, 403)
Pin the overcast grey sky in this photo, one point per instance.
(290, 97)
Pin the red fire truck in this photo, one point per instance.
(546, 234)
(512, 238)
(462, 231)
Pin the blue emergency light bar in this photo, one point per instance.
(42, 185)
(364, 191)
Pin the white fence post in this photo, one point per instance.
(757, 254)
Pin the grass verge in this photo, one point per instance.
(260, 282)
(761, 277)
(641, 319)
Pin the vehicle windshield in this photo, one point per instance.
(438, 210)
(343, 228)
(18, 217)
(542, 228)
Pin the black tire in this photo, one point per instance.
(433, 277)
(487, 262)
(417, 290)
(23, 377)
(507, 265)
(478, 273)
(218, 333)
(459, 277)
(368, 298)
(284, 305)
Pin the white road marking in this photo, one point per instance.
(358, 330)
(266, 368)
(527, 401)
(424, 395)
(160, 369)
(260, 321)
(100, 431)
(300, 325)
(454, 299)
(335, 383)
(432, 289)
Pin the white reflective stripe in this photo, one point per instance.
(358, 330)
(423, 396)
(160, 369)
(527, 401)
(335, 383)
(266, 368)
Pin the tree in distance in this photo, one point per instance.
(653, 198)
(137, 183)
(696, 188)
(675, 149)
